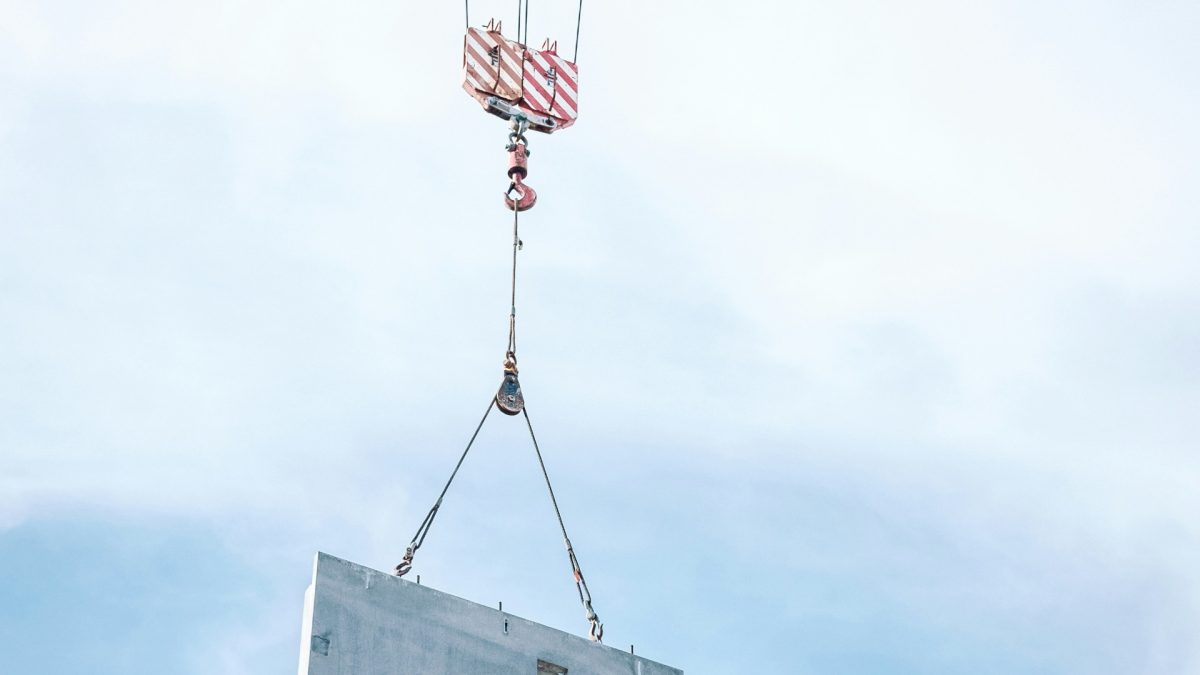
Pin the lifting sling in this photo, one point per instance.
(531, 89)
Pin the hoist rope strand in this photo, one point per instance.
(512, 313)
(419, 538)
(585, 596)
(467, 12)
(578, 22)
(526, 40)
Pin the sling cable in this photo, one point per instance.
(532, 89)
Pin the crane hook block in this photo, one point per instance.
(510, 79)
(509, 399)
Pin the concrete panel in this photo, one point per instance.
(358, 621)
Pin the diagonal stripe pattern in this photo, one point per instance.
(551, 84)
(539, 82)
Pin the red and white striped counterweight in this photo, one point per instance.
(510, 79)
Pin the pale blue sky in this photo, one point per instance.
(860, 337)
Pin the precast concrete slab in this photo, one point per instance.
(358, 621)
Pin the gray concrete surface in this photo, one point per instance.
(358, 621)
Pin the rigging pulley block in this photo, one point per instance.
(509, 399)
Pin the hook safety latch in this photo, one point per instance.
(519, 196)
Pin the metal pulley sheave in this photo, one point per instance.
(509, 399)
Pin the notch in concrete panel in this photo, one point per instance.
(550, 668)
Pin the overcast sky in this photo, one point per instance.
(860, 337)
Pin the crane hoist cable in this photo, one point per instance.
(524, 39)
(532, 89)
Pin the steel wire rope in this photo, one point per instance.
(419, 538)
(512, 312)
(585, 596)
(578, 22)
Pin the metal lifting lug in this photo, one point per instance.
(519, 196)
(509, 399)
